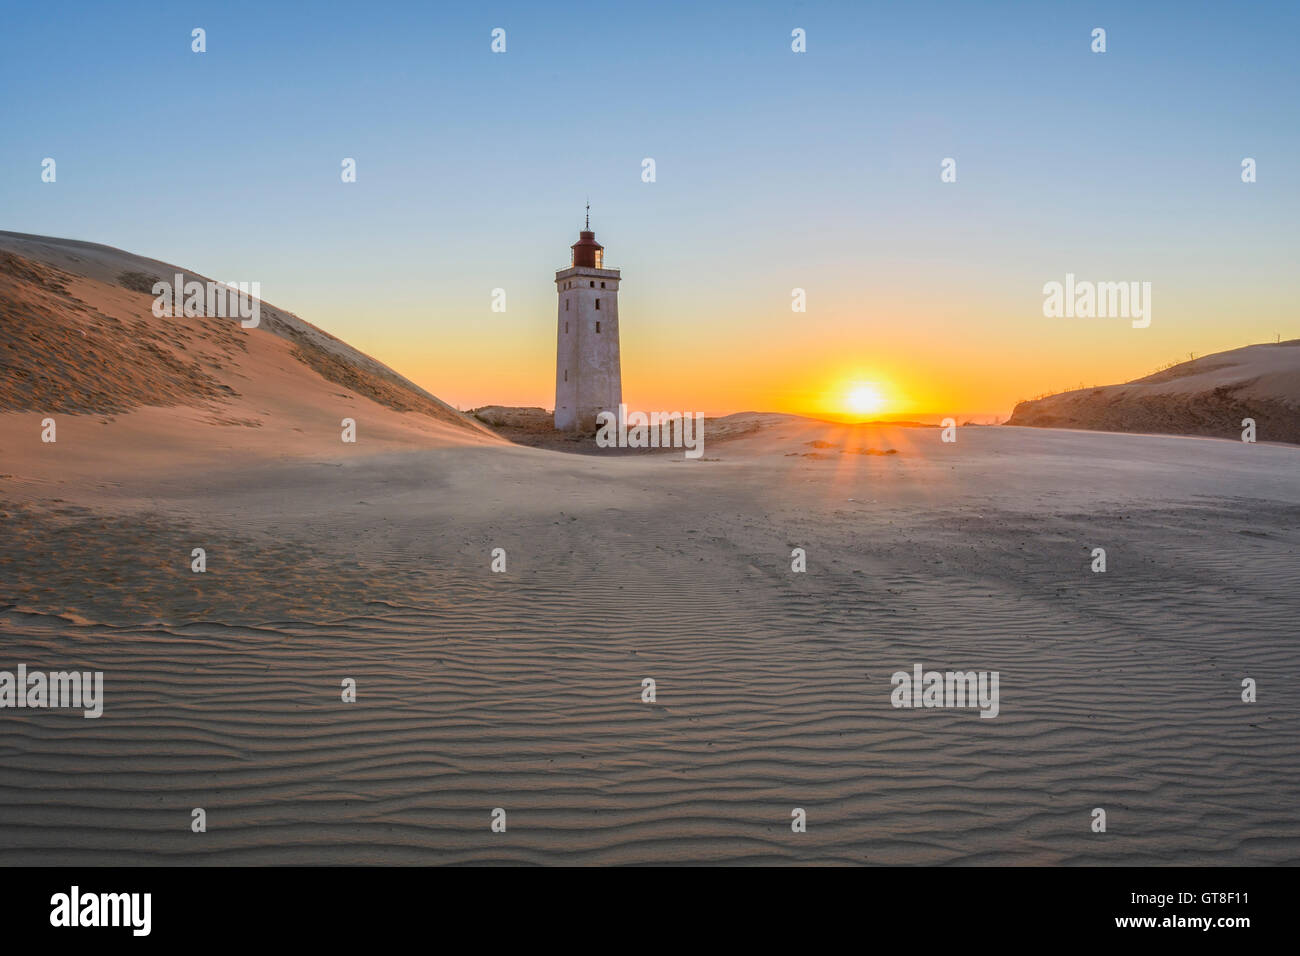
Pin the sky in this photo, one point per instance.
(774, 170)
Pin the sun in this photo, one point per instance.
(865, 399)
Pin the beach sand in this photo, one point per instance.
(522, 690)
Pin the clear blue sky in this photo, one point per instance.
(775, 170)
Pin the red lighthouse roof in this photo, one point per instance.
(587, 251)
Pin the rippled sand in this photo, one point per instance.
(522, 690)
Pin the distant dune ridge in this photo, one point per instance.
(1206, 396)
(79, 338)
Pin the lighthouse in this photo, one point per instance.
(588, 375)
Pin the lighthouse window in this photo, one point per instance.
(566, 305)
(593, 285)
(566, 328)
(602, 285)
(566, 374)
(597, 305)
(597, 326)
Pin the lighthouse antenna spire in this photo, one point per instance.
(588, 213)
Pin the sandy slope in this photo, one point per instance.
(79, 343)
(1210, 395)
(521, 690)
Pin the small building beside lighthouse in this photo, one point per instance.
(588, 373)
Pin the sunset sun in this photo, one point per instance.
(865, 399)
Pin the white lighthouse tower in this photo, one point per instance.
(588, 374)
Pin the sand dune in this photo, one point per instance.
(79, 342)
(522, 689)
(1210, 395)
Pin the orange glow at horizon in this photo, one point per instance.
(922, 361)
